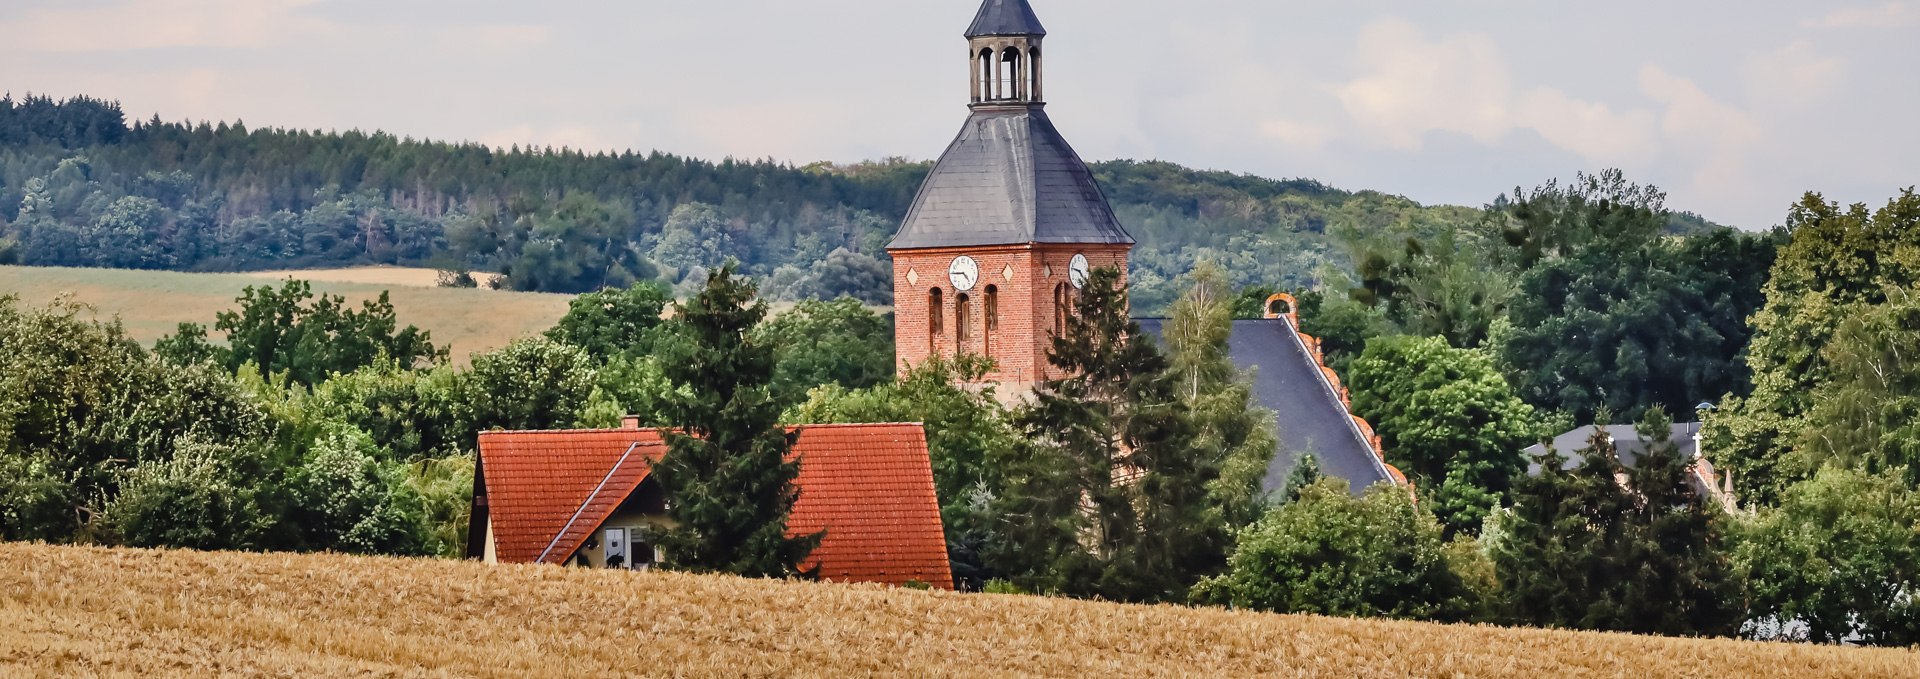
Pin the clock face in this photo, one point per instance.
(964, 273)
(1078, 270)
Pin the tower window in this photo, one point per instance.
(993, 318)
(961, 323)
(993, 309)
(1060, 302)
(936, 312)
(1011, 75)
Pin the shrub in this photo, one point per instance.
(1331, 553)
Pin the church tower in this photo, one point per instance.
(1002, 234)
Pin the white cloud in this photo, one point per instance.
(1412, 86)
(493, 37)
(1889, 15)
(1591, 129)
(1302, 135)
(1719, 137)
(1793, 75)
(150, 24)
(1694, 115)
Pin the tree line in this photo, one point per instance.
(82, 186)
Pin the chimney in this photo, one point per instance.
(630, 422)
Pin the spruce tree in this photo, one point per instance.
(1541, 552)
(1109, 498)
(727, 470)
(1682, 578)
(1604, 547)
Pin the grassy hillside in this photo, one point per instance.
(153, 303)
(98, 612)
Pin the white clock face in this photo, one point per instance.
(1078, 270)
(964, 273)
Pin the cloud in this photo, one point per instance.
(1692, 114)
(1591, 129)
(1412, 86)
(1889, 15)
(1303, 135)
(1793, 75)
(493, 37)
(1720, 137)
(153, 24)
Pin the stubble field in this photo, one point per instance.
(153, 304)
(97, 612)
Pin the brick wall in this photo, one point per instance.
(1023, 279)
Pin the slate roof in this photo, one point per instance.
(1009, 178)
(1627, 444)
(1311, 415)
(1629, 447)
(869, 486)
(1005, 18)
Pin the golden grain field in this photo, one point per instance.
(67, 611)
(153, 303)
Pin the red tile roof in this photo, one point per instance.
(869, 486)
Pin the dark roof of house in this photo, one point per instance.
(1627, 444)
(1311, 415)
(1009, 178)
(869, 486)
(1005, 17)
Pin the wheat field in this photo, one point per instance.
(153, 304)
(76, 611)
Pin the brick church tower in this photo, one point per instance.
(1008, 224)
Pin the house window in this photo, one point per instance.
(616, 553)
(961, 322)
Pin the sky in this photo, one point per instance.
(1735, 108)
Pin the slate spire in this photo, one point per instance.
(1005, 18)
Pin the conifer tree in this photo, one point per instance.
(1109, 498)
(728, 469)
(1682, 581)
(1604, 547)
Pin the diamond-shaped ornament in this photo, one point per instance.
(913, 277)
(1007, 273)
(1047, 270)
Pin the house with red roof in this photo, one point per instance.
(586, 498)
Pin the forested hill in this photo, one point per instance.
(81, 186)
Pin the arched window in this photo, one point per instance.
(1033, 75)
(962, 323)
(983, 77)
(1060, 303)
(936, 313)
(1011, 75)
(993, 318)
